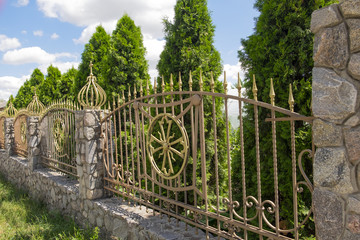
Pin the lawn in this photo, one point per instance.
(24, 218)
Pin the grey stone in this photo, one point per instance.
(99, 221)
(326, 134)
(354, 205)
(334, 99)
(120, 229)
(353, 120)
(331, 170)
(325, 17)
(353, 223)
(350, 236)
(328, 212)
(89, 133)
(350, 8)
(354, 34)
(354, 66)
(352, 143)
(331, 47)
(108, 222)
(90, 118)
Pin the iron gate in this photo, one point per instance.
(2, 132)
(20, 134)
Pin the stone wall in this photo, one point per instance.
(335, 104)
(84, 200)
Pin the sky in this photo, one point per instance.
(37, 33)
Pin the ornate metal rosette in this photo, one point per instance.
(168, 146)
(23, 132)
(58, 131)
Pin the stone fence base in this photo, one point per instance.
(115, 218)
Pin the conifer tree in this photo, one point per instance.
(126, 63)
(26, 91)
(96, 51)
(48, 90)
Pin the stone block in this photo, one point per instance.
(90, 118)
(348, 235)
(353, 120)
(329, 214)
(89, 133)
(331, 47)
(334, 99)
(331, 170)
(354, 205)
(354, 34)
(352, 143)
(353, 224)
(120, 229)
(350, 8)
(326, 134)
(325, 17)
(354, 66)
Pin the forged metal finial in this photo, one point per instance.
(171, 83)
(92, 95)
(135, 92)
(225, 83)
(162, 84)
(129, 93)
(155, 90)
(91, 65)
(291, 98)
(10, 111)
(212, 83)
(201, 82)
(35, 107)
(254, 90)
(272, 92)
(190, 81)
(239, 85)
(180, 82)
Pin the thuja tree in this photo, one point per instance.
(189, 47)
(96, 51)
(48, 89)
(126, 63)
(280, 48)
(65, 84)
(26, 91)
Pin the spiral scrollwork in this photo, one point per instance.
(232, 228)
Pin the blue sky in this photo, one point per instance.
(37, 33)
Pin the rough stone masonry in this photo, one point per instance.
(336, 100)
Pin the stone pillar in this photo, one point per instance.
(33, 137)
(336, 131)
(89, 154)
(9, 135)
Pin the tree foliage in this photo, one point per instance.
(126, 63)
(280, 48)
(26, 91)
(97, 51)
(48, 89)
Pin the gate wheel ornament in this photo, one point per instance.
(164, 149)
(23, 132)
(59, 135)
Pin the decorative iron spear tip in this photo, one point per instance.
(272, 92)
(91, 65)
(190, 81)
(147, 88)
(201, 81)
(123, 96)
(180, 82)
(135, 92)
(113, 102)
(129, 93)
(225, 83)
(162, 84)
(254, 90)
(239, 85)
(171, 82)
(141, 90)
(212, 83)
(291, 98)
(155, 90)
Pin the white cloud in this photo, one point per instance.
(24, 32)
(10, 85)
(54, 36)
(8, 43)
(232, 73)
(28, 55)
(89, 13)
(22, 3)
(38, 33)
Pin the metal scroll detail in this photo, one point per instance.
(23, 132)
(58, 132)
(166, 147)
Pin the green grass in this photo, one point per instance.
(24, 218)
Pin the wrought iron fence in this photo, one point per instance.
(173, 153)
(58, 137)
(2, 132)
(20, 134)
